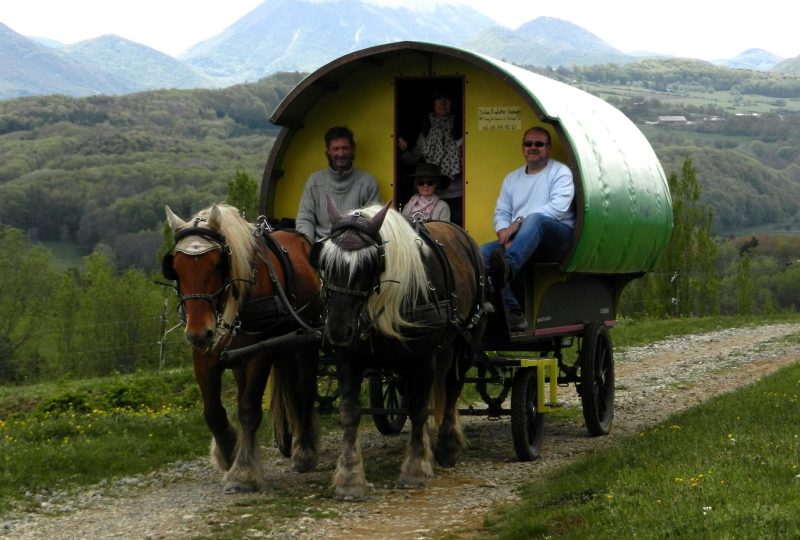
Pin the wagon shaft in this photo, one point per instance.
(280, 345)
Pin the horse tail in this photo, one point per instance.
(281, 402)
(437, 401)
(442, 402)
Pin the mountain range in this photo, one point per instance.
(301, 36)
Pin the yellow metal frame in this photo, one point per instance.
(546, 372)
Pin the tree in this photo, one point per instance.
(27, 281)
(745, 287)
(692, 251)
(242, 193)
(110, 321)
(684, 281)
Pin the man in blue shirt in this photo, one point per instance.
(534, 213)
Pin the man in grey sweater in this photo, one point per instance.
(349, 187)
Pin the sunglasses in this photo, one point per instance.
(537, 144)
(426, 182)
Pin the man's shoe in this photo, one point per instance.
(497, 262)
(516, 321)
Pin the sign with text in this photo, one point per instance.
(500, 118)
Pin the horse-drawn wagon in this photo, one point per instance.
(623, 205)
(623, 224)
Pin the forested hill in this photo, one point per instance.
(100, 169)
(97, 171)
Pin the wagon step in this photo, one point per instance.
(546, 379)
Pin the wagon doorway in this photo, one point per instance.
(414, 105)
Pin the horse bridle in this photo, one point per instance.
(352, 223)
(262, 231)
(213, 298)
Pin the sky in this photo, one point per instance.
(704, 29)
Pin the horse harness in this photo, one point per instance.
(450, 302)
(442, 311)
(256, 315)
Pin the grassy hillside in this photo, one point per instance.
(98, 171)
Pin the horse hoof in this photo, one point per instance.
(350, 494)
(303, 466)
(304, 462)
(448, 461)
(411, 483)
(238, 487)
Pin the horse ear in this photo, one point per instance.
(174, 221)
(377, 219)
(214, 217)
(333, 212)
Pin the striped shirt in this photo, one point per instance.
(550, 192)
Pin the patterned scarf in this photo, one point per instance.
(440, 148)
(423, 205)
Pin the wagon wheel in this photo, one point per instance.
(327, 390)
(493, 387)
(284, 443)
(597, 379)
(386, 392)
(527, 422)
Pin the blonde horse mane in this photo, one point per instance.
(404, 277)
(239, 235)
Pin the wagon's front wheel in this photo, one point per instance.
(597, 379)
(386, 392)
(527, 421)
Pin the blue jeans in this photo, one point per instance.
(539, 233)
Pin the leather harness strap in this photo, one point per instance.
(287, 293)
(449, 291)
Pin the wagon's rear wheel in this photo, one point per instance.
(386, 392)
(527, 422)
(597, 379)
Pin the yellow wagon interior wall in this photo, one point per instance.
(495, 118)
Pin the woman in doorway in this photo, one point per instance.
(439, 143)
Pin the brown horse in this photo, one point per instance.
(408, 302)
(239, 284)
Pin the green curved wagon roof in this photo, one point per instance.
(624, 208)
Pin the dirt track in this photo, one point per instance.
(185, 500)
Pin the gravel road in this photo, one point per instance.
(185, 500)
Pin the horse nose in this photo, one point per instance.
(200, 340)
(340, 336)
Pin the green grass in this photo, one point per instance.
(59, 436)
(728, 100)
(729, 468)
(631, 333)
(738, 455)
